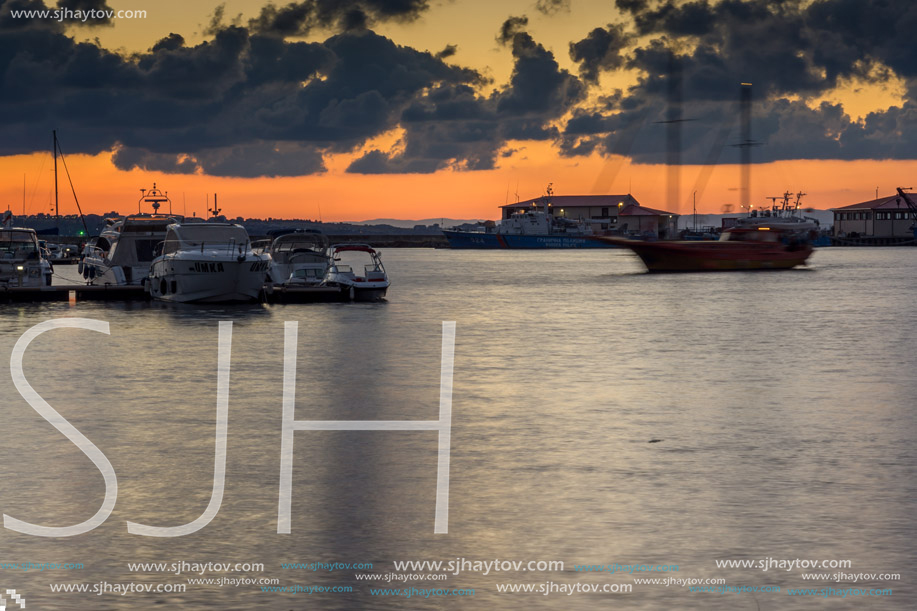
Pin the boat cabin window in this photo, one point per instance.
(196, 235)
(18, 244)
(749, 236)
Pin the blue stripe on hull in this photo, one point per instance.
(468, 239)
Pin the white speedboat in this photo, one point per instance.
(123, 251)
(207, 262)
(371, 286)
(299, 258)
(22, 263)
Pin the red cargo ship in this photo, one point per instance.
(738, 249)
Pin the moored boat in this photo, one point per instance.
(299, 256)
(371, 286)
(123, 251)
(738, 249)
(207, 262)
(22, 263)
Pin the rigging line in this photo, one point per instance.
(72, 189)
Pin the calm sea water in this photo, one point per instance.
(784, 403)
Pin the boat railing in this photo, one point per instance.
(94, 251)
(261, 246)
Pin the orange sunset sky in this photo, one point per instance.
(855, 99)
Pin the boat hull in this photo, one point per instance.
(99, 273)
(359, 290)
(368, 293)
(715, 256)
(208, 281)
(471, 239)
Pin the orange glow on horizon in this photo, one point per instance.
(338, 196)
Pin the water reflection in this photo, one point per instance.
(782, 402)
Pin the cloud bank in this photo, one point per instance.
(256, 100)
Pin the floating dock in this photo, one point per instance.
(110, 292)
(79, 292)
(277, 293)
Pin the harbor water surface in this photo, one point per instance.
(783, 405)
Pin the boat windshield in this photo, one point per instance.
(199, 235)
(298, 241)
(18, 245)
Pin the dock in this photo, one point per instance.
(109, 292)
(278, 293)
(79, 292)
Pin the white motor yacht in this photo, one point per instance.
(207, 262)
(123, 251)
(371, 286)
(22, 263)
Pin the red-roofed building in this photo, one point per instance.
(886, 217)
(605, 212)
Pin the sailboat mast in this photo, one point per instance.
(56, 205)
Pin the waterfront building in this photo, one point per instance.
(603, 212)
(886, 220)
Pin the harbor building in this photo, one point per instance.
(603, 212)
(878, 222)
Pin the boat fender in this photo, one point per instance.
(92, 271)
(79, 267)
(352, 293)
(163, 285)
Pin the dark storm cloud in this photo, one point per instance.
(246, 160)
(129, 158)
(448, 51)
(537, 82)
(511, 27)
(791, 50)
(552, 7)
(242, 103)
(253, 100)
(600, 50)
(99, 7)
(300, 18)
(454, 126)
